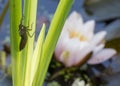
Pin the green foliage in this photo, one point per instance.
(15, 16)
(29, 66)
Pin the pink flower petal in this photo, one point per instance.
(88, 28)
(98, 48)
(98, 37)
(60, 47)
(74, 53)
(73, 20)
(75, 17)
(77, 41)
(101, 56)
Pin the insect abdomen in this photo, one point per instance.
(23, 42)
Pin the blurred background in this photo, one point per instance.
(106, 13)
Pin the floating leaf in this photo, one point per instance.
(113, 35)
(113, 30)
(103, 9)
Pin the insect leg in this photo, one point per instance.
(30, 35)
(29, 29)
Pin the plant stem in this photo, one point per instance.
(30, 10)
(51, 39)
(15, 16)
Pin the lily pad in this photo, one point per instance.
(103, 9)
(113, 30)
(113, 35)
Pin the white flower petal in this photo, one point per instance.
(102, 56)
(60, 47)
(88, 29)
(81, 55)
(73, 20)
(89, 26)
(72, 45)
(69, 49)
(98, 48)
(75, 16)
(98, 37)
(77, 40)
(77, 54)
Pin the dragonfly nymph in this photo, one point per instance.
(24, 33)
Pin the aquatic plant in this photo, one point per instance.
(29, 65)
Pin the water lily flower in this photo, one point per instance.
(78, 41)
